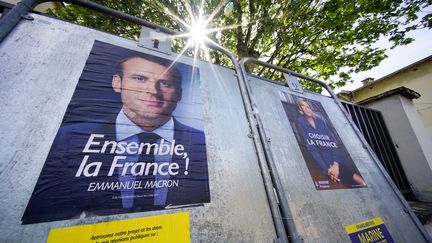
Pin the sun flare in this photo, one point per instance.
(197, 26)
(198, 31)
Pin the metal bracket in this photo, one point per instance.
(276, 196)
(27, 17)
(293, 83)
(155, 40)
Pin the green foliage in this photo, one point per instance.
(329, 39)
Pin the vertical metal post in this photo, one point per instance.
(278, 218)
(259, 129)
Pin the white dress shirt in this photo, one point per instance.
(126, 130)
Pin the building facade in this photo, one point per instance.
(404, 99)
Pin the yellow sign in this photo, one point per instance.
(369, 231)
(162, 228)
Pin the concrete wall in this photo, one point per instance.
(412, 143)
(417, 78)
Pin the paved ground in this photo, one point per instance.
(424, 213)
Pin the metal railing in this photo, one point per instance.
(371, 124)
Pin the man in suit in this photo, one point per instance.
(117, 165)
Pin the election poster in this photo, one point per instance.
(326, 157)
(132, 140)
(369, 231)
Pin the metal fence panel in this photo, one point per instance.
(41, 62)
(320, 215)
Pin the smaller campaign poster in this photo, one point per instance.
(369, 231)
(326, 157)
(132, 140)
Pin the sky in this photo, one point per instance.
(398, 57)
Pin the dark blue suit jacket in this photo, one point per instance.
(323, 155)
(60, 195)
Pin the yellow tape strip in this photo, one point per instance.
(363, 225)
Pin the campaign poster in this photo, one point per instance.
(326, 157)
(131, 140)
(369, 231)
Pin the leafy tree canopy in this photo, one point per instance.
(327, 39)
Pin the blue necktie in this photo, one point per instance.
(144, 198)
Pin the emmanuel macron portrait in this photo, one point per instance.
(83, 164)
